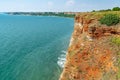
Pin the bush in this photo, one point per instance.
(110, 19)
(105, 10)
(93, 11)
(116, 9)
(116, 40)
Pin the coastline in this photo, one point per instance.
(58, 14)
(40, 16)
(70, 43)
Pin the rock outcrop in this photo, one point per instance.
(91, 54)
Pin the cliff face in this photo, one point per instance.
(93, 54)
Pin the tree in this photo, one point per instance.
(116, 9)
(93, 11)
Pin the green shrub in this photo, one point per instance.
(116, 9)
(105, 10)
(93, 10)
(110, 19)
(116, 40)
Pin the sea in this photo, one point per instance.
(33, 47)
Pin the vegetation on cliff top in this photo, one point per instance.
(116, 9)
(110, 19)
(104, 10)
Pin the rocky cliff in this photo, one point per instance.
(94, 51)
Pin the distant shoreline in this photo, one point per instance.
(59, 14)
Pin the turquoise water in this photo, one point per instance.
(30, 46)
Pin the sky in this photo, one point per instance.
(56, 5)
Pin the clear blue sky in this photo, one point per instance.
(56, 5)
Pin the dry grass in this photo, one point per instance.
(97, 15)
